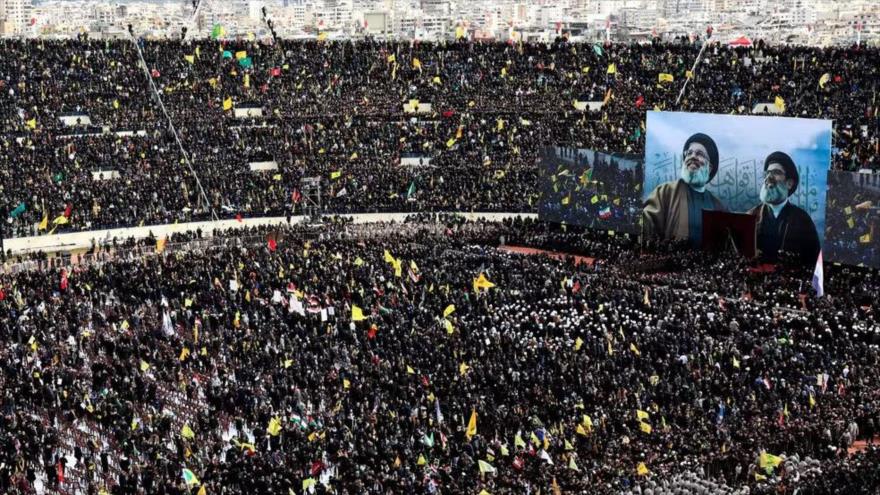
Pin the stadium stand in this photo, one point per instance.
(337, 107)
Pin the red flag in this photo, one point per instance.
(518, 463)
(317, 467)
(296, 196)
(60, 471)
(577, 287)
(276, 72)
(68, 210)
(238, 217)
(272, 244)
(448, 113)
(155, 73)
(371, 333)
(63, 284)
(640, 101)
(2, 294)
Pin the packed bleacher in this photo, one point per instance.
(375, 358)
(335, 110)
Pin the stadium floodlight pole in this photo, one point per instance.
(183, 151)
(195, 16)
(693, 73)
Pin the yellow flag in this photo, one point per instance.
(227, 104)
(335, 175)
(449, 310)
(578, 343)
(240, 55)
(160, 245)
(416, 63)
(392, 58)
(642, 469)
(116, 104)
(519, 442)
(421, 461)
(459, 32)
(274, 427)
(450, 143)
(824, 80)
(247, 80)
(688, 74)
(449, 328)
(663, 77)
(44, 223)
(779, 103)
(645, 427)
(612, 68)
(357, 314)
(190, 58)
(202, 491)
(865, 239)
(485, 467)
(144, 365)
(61, 220)
(482, 282)
(346, 384)
(186, 432)
(634, 349)
(642, 414)
(812, 401)
(769, 461)
(32, 124)
(436, 80)
(410, 370)
(184, 353)
(322, 36)
(463, 368)
(587, 422)
(472, 425)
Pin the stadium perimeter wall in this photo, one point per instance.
(59, 243)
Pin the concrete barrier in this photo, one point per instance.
(104, 175)
(768, 107)
(59, 243)
(263, 166)
(75, 119)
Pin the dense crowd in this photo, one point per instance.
(335, 110)
(421, 358)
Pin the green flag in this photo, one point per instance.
(412, 190)
(18, 210)
(227, 54)
(428, 440)
(246, 63)
(58, 177)
(598, 49)
(218, 31)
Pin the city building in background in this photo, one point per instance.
(822, 22)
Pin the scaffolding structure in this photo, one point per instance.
(312, 207)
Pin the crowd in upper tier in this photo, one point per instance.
(335, 110)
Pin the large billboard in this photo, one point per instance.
(853, 218)
(590, 188)
(770, 167)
